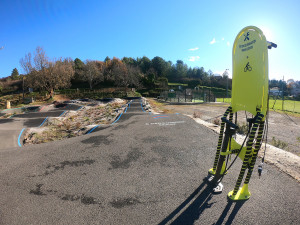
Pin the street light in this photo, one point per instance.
(226, 82)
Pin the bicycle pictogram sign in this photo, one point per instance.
(247, 67)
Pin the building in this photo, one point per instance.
(275, 92)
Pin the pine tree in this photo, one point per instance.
(15, 74)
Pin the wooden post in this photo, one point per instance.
(8, 104)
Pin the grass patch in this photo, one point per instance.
(227, 100)
(289, 105)
(278, 143)
(177, 84)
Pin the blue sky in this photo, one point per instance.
(201, 33)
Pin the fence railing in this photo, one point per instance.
(201, 94)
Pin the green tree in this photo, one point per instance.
(15, 74)
(129, 61)
(160, 66)
(107, 59)
(79, 68)
(162, 83)
(145, 64)
(181, 69)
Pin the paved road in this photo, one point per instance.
(143, 169)
(11, 128)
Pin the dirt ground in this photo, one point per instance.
(283, 129)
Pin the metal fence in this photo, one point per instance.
(199, 94)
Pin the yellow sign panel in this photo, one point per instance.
(250, 80)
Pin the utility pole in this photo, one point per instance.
(23, 86)
(226, 83)
(282, 93)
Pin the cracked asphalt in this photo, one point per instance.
(143, 169)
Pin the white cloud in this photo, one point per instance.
(228, 43)
(213, 41)
(193, 58)
(223, 39)
(222, 71)
(193, 49)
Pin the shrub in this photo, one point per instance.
(216, 121)
(278, 143)
(197, 114)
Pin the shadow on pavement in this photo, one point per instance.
(194, 210)
(195, 205)
(33, 122)
(6, 120)
(237, 207)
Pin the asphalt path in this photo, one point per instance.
(12, 128)
(143, 169)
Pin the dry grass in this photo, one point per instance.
(279, 144)
(197, 114)
(217, 121)
(60, 98)
(158, 106)
(75, 125)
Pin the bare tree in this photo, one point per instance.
(126, 76)
(41, 60)
(135, 76)
(26, 63)
(59, 74)
(93, 72)
(45, 74)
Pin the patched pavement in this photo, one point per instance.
(143, 169)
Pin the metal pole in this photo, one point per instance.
(227, 86)
(23, 87)
(227, 75)
(282, 92)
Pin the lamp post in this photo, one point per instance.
(225, 72)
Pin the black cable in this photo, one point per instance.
(239, 151)
(226, 169)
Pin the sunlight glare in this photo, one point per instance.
(267, 32)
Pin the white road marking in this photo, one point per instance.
(166, 123)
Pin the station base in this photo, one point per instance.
(242, 194)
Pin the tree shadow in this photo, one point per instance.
(194, 210)
(238, 205)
